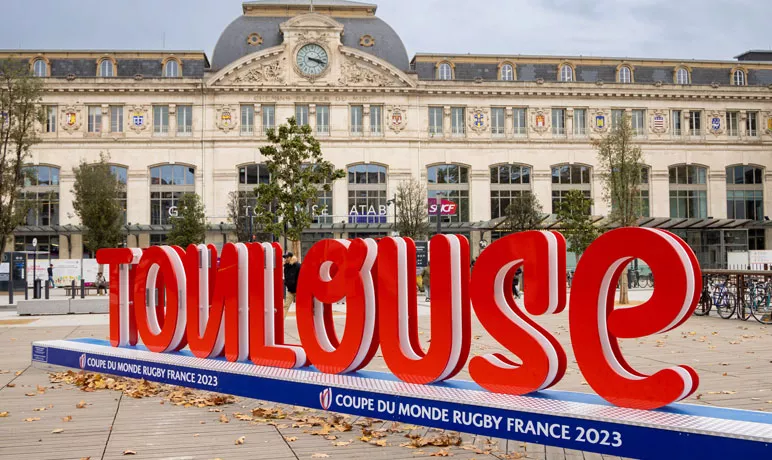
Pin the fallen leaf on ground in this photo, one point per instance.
(320, 456)
(30, 394)
(224, 418)
(379, 443)
(58, 430)
(67, 418)
(81, 405)
(41, 389)
(290, 438)
(129, 452)
(341, 443)
(85, 458)
(441, 453)
(31, 419)
(39, 409)
(4, 414)
(11, 385)
(241, 440)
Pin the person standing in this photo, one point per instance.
(426, 280)
(51, 275)
(291, 273)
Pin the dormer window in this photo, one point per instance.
(445, 71)
(682, 76)
(625, 75)
(507, 72)
(738, 77)
(40, 68)
(566, 72)
(172, 68)
(106, 68)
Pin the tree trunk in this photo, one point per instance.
(623, 291)
(296, 249)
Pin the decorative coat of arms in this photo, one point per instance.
(226, 118)
(478, 120)
(600, 121)
(769, 123)
(137, 119)
(540, 121)
(715, 123)
(658, 122)
(71, 119)
(397, 118)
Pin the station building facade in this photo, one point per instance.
(479, 130)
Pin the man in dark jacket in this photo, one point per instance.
(291, 273)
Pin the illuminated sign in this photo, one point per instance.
(240, 315)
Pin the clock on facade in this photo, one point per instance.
(312, 59)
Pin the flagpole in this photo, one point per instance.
(312, 6)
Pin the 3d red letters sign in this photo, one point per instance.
(170, 298)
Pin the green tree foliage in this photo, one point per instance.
(97, 192)
(189, 227)
(576, 221)
(247, 228)
(20, 112)
(298, 171)
(621, 165)
(524, 213)
(412, 210)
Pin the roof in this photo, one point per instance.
(326, 3)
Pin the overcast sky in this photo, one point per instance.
(681, 29)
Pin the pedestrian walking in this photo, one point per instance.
(426, 280)
(516, 282)
(291, 273)
(51, 275)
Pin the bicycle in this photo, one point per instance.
(761, 302)
(723, 299)
(705, 303)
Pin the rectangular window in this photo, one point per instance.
(752, 127)
(689, 204)
(638, 122)
(558, 122)
(498, 116)
(247, 119)
(356, 119)
(269, 117)
(376, 119)
(435, 120)
(94, 119)
(323, 119)
(51, 119)
(184, 120)
(732, 124)
(160, 119)
(695, 123)
(116, 118)
(580, 122)
(518, 116)
(457, 121)
(676, 122)
(301, 115)
(616, 117)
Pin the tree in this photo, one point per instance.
(189, 227)
(412, 211)
(20, 95)
(298, 171)
(621, 163)
(246, 227)
(97, 191)
(524, 213)
(576, 221)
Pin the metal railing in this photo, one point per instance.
(734, 293)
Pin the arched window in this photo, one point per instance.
(172, 68)
(682, 76)
(570, 177)
(122, 174)
(445, 71)
(745, 192)
(168, 183)
(40, 68)
(625, 75)
(41, 194)
(106, 68)
(688, 191)
(367, 194)
(508, 184)
(507, 72)
(738, 78)
(566, 73)
(449, 183)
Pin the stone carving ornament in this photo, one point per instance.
(353, 74)
(716, 123)
(226, 120)
(768, 123)
(263, 72)
(478, 120)
(71, 118)
(397, 118)
(138, 119)
(658, 122)
(540, 120)
(600, 120)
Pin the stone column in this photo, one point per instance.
(366, 120)
(66, 209)
(312, 117)
(258, 121)
(659, 194)
(542, 188)
(105, 118)
(717, 193)
(446, 123)
(569, 123)
(743, 124)
(172, 119)
(509, 123)
(479, 196)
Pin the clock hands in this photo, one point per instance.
(318, 61)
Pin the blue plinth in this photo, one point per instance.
(570, 420)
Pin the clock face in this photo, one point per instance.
(312, 59)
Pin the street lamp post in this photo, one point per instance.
(438, 203)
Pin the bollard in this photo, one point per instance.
(10, 293)
(26, 290)
(73, 289)
(82, 288)
(47, 293)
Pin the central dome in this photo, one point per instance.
(258, 29)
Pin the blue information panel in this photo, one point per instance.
(571, 420)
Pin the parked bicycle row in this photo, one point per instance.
(738, 294)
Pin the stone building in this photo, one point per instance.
(477, 129)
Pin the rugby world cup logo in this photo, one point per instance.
(325, 398)
(82, 361)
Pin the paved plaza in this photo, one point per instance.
(44, 420)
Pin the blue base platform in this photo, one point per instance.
(563, 419)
